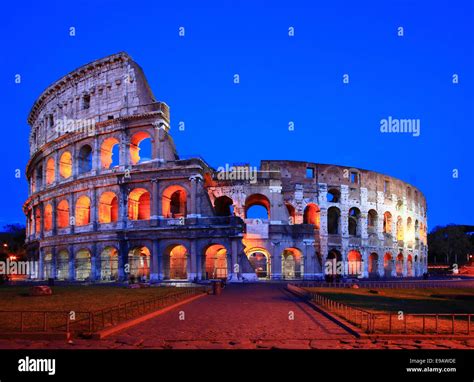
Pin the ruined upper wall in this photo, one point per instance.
(109, 88)
(335, 176)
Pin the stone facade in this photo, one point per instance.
(99, 211)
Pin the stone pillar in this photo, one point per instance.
(95, 263)
(54, 254)
(72, 212)
(199, 261)
(191, 261)
(276, 254)
(234, 250)
(54, 217)
(41, 264)
(124, 150)
(94, 208)
(123, 206)
(72, 265)
(123, 260)
(154, 268)
(155, 197)
(363, 226)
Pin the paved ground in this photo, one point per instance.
(243, 317)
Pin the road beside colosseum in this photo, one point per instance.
(253, 316)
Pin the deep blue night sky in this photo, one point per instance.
(282, 79)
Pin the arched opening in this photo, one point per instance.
(291, 213)
(63, 265)
(108, 207)
(110, 153)
(260, 262)
(85, 159)
(139, 263)
(215, 262)
(109, 264)
(139, 204)
(334, 215)
(291, 264)
(387, 264)
(372, 221)
(410, 266)
(312, 215)
(333, 266)
(65, 165)
(399, 265)
(174, 202)
(354, 225)
(354, 263)
(83, 211)
(373, 265)
(176, 262)
(409, 233)
(82, 265)
(37, 220)
(387, 222)
(333, 195)
(224, 206)
(63, 214)
(50, 171)
(140, 147)
(48, 217)
(48, 266)
(257, 206)
(400, 233)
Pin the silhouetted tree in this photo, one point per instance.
(450, 244)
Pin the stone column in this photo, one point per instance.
(155, 197)
(154, 269)
(54, 254)
(72, 265)
(191, 261)
(123, 260)
(123, 207)
(276, 260)
(54, 216)
(234, 250)
(41, 264)
(94, 208)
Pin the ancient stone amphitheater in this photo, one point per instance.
(99, 209)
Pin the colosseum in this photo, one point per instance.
(100, 209)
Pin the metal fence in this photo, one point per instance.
(398, 322)
(86, 322)
(416, 284)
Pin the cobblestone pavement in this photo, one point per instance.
(253, 316)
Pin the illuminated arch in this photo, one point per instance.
(50, 171)
(387, 264)
(409, 266)
(373, 264)
(138, 142)
(291, 213)
(139, 263)
(48, 217)
(260, 261)
(174, 202)
(400, 230)
(354, 226)
(372, 217)
(312, 215)
(291, 264)
(387, 222)
(110, 153)
(63, 214)
(176, 262)
(37, 220)
(139, 204)
(399, 264)
(62, 265)
(109, 264)
(65, 165)
(82, 265)
(83, 211)
(108, 207)
(354, 262)
(215, 262)
(48, 266)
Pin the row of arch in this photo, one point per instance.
(109, 156)
(174, 205)
(258, 206)
(388, 266)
